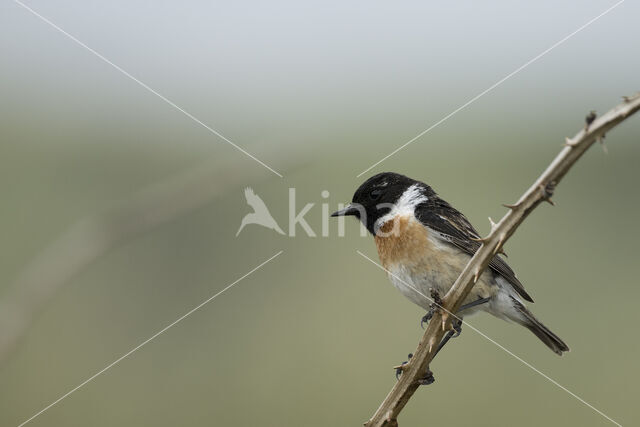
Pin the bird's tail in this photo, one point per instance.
(545, 335)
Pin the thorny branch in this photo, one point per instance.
(541, 191)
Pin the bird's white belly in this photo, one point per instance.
(416, 286)
(417, 291)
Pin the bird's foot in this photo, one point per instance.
(425, 380)
(400, 368)
(456, 325)
(433, 307)
(426, 318)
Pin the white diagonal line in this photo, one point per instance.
(147, 87)
(497, 344)
(161, 331)
(490, 88)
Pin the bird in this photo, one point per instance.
(424, 244)
(260, 214)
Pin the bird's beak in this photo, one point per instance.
(349, 210)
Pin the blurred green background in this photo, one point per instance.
(319, 92)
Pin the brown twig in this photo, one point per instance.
(540, 191)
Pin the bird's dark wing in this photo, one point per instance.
(456, 229)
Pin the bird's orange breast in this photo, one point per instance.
(414, 259)
(403, 240)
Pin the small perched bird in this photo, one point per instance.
(424, 243)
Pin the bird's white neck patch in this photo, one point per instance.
(405, 206)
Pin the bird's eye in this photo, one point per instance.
(375, 194)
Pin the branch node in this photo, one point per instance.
(589, 119)
(568, 142)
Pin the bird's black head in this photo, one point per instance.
(381, 193)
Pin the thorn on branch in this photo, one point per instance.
(498, 248)
(510, 206)
(476, 276)
(603, 145)
(479, 239)
(445, 319)
(569, 143)
(547, 192)
(493, 224)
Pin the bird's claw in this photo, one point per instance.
(426, 318)
(456, 325)
(427, 379)
(433, 307)
(400, 368)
